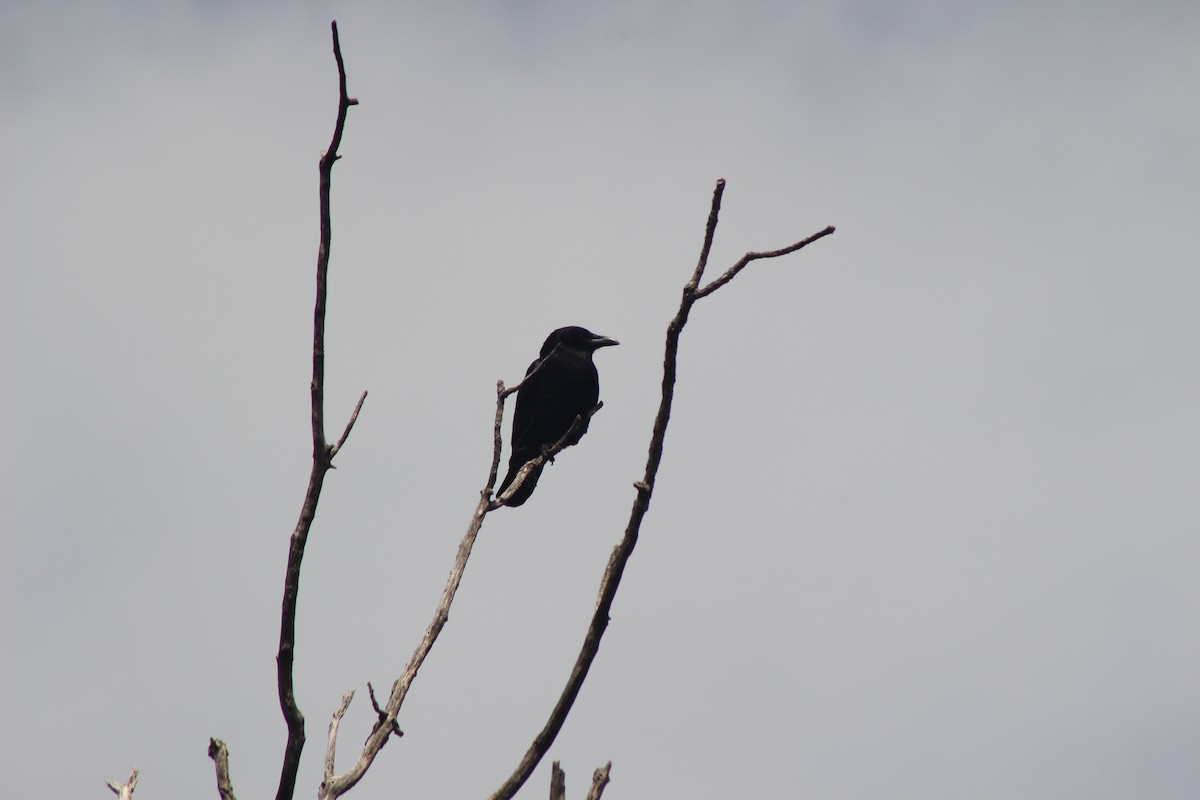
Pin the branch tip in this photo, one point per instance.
(599, 781)
(124, 791)
(219, 753)
(333, 451)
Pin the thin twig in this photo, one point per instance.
(710, 231)
(331, 742)
(333, 451)
(641, 504)
(534, 370)
(746, 259)
(502, 394)
(124, 791)
(497, 439)
(219, 753)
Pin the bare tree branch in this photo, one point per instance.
(599, 781)
(746, 259)
(124, 791)
(331, 746)
(335, 786)
(321, 459)
(558, 782)
(641, 504)
(386, 724)
(333, 451)
(497, 437)
(219, 753)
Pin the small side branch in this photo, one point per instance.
(641, 502)
(124, 791)
(331, 745)
(333, 451)
(729, 274)
(219, 753)
(502, 394)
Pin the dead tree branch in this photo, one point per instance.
(124, 791)
(219, 753)
(645, 489)
(599, 781)
(386, 724)
(331, 746)
(333, 451)
(729, 274)
(323, 453)
(322, 462)
(558, 782)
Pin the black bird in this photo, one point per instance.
(565, 386)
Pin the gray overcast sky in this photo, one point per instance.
(927, 523)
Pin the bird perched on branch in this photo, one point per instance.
(560, 385)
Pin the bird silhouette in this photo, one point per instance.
(560, 385)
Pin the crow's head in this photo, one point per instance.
(575, 338)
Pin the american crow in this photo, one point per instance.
(565, 386)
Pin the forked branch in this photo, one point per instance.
(641, 503)
(385, 725)
(322, 462)
(124, 791)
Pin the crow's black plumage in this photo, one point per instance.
(564, 386)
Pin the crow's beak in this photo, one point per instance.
(603, 341)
